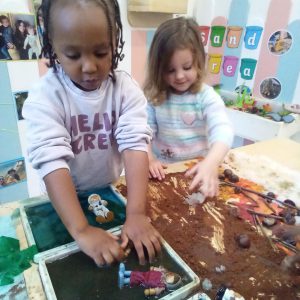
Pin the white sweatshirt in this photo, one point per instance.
(85, 131)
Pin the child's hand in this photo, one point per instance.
(139, 230)
(100, 245)
(206, 177)
(156, 169)
(10, 46)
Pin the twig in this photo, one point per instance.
(249, 197)
(264, 233)
(287, 245)
(259, 194)
(264, 215)
(254, 221)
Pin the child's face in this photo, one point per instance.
(80, 37)
(30, 30)
(181, 72)
(22, 27)
(5, 22)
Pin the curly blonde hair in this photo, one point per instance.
(174, 34)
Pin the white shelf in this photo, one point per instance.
(256, 128)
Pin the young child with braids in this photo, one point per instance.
(188, 117)
(85, 119)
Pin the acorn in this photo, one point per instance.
(243, 240)
(272, 195)
(227, 173)
(288, 216)
(289, 202)
(237, 190)
(221, 177)
(233, 178)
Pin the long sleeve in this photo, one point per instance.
(85, 131)
(152, 118)
(48, 139)
(219, 127)
(132, 131)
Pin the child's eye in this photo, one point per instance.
(101, 54)
(171, 70)
(187, 68)
(72, 56)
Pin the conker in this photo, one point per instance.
(243, 240)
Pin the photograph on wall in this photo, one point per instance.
(20, 98)
(18, 37)
(12, 172)
(280, 42)
(270, 88)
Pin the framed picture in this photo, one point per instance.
(12, 172)
(20, 98)
(18, 37)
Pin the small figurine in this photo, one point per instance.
(98, 206)
(155, 281)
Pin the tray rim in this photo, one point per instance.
(183, 292)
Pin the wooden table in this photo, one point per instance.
(283, 151)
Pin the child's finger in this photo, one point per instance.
(118, 253)
(153, 173)
(140, 252)
(156, 241)
(151, 251)
(191, 171)
(108, 258)
(161, 173)
(156, 173)
(115, 237)
(125, 240)
(197, 181)
(100, 261)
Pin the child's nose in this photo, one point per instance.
(89, 65)
(179, 74)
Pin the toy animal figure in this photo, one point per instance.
(154, 281)
(98, 206)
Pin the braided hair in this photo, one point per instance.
(111, 10)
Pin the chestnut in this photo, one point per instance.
(233, 178)
(289, 202)
(243, 240)
(227, 173)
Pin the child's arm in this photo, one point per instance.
(156, 167)
(137, 227)
(26, 42)
(101, 246)
(205, 172)
(220, 136)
